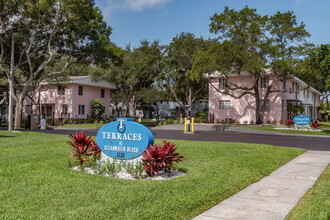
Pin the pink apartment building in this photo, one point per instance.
(70, 101)
(223, 106)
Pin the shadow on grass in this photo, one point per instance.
(6, 136)
(327, 132)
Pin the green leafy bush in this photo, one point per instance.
(201, 117)
(97, 106)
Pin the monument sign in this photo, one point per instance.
(302, 120)
(123, 139)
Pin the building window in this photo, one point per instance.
(81, 109)
(284, 84)
(292, 87)
(265, 82)
(49, 111)
(64, 109)
(222, 83)
(81, 90)
(298, 88)
(31, 93)
(308, 94)
(28, 109)
(267, 109)
(60, 90)
(102, 93)
(224, 104)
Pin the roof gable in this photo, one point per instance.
(86, 80)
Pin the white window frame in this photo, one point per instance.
(224, 104)
(81, 109)
(223, 83)
(28, 109)
(267, 109)
(65, 109)
(264, 82)
(61, 90)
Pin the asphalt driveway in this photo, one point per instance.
(293, 141)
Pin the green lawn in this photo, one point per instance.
(36, 183)
(271, 128)
(87, 125)
(94, 125)
(315, 204)
(325, 125)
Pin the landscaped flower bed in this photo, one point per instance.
(158, 162)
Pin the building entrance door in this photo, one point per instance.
(3, 113)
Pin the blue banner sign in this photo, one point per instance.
(302, 120)
(124, 139)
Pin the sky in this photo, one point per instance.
(136, 20)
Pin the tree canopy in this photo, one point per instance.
(315, 69)
(255, 44)
(41, 39)
(137, 69)
(177, 75)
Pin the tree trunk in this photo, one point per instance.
(127, 103)
(18, 114)
(117, 111)
(259, 117)
(157, 112)
(11, 82)
(259, 113)
(134, 108)
(10, 106)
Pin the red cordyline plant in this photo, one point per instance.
(289, 122)
(315, 125)
(83, 147)
(156, 158)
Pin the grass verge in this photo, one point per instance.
(315, 204)
(36, 182)
(87, 125)
(95, 125)
(271, 128)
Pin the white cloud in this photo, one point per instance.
(139, 5)
(133, 5)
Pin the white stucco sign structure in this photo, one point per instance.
(123, 139)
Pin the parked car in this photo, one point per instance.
(160, 120)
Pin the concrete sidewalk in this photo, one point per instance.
(274, 196)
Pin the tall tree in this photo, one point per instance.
(117, 97)
(177, 75)
(152, 96)
(316, 70)
(41, 39)
(136, 70)
(253, 44)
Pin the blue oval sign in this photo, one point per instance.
(302, 120)
(124, 139)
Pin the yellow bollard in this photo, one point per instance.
(192, 124)
(185, 124)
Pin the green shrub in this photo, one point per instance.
(201, 117)
(97, 106)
